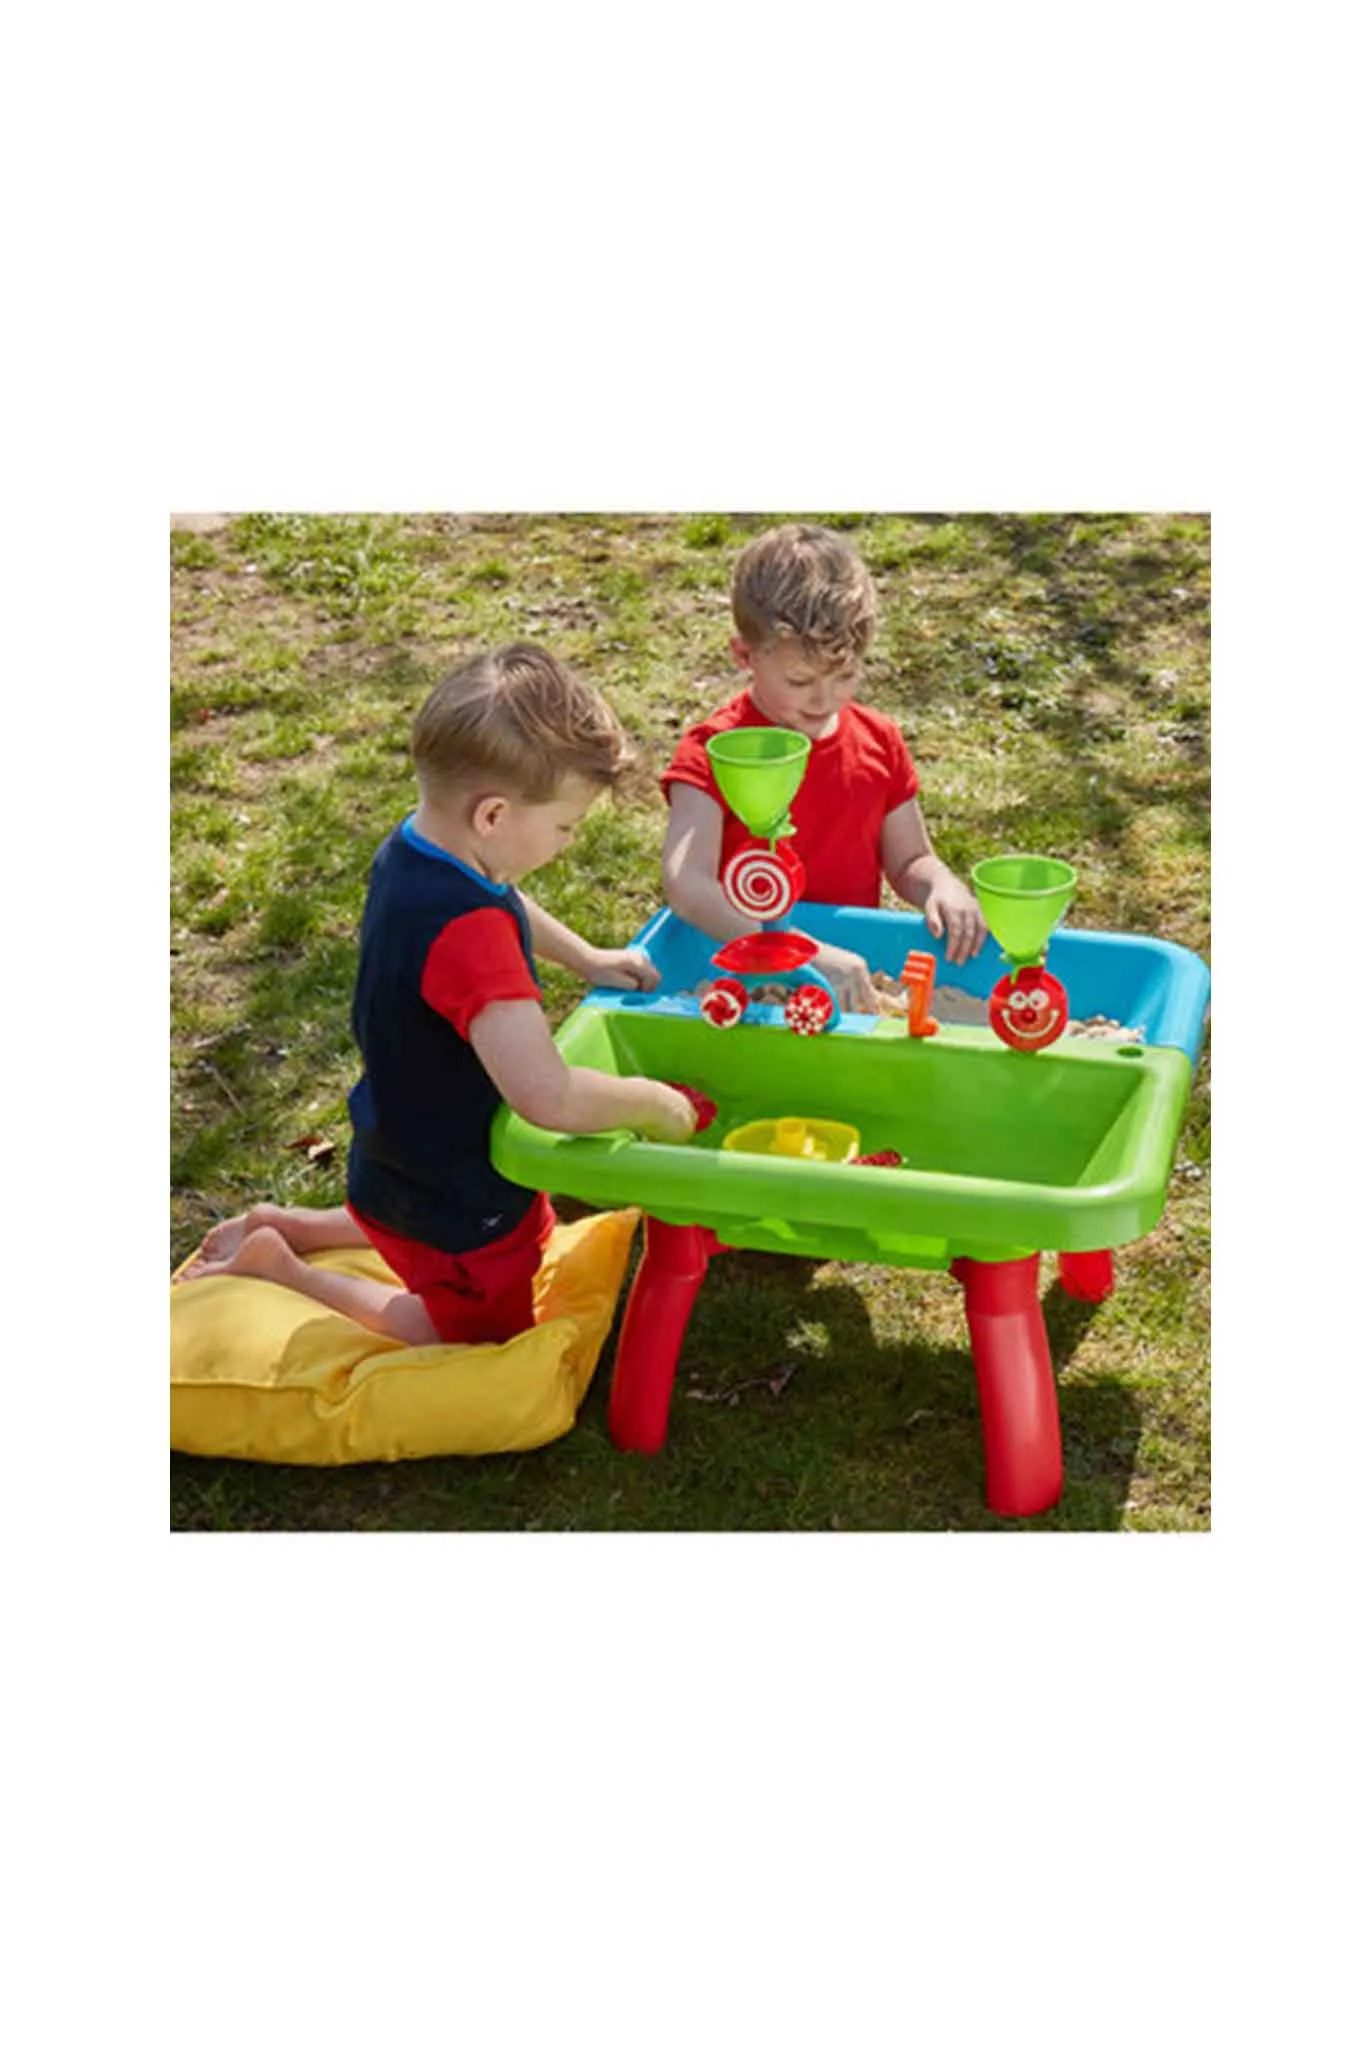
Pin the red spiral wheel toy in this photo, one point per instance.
(763, 881)
(725, 1003)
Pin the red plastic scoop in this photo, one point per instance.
(765, 953)
(704, 1106)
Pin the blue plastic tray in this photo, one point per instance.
(1146, 984)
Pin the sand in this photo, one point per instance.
(950, 1006)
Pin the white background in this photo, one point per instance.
(656, 1790)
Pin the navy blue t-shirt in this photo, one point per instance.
(434, 933)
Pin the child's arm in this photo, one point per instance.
(513, 1041)
(692, 891)
(603, 966)
(920, 878)
(692, 865)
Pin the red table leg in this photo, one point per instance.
(1087, 1275)
(1019, 1425)
(673, 1267)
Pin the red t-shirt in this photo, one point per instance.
(476, 960)
(853, 779)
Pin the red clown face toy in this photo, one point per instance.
(1028, 1009)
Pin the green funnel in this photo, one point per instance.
(1022, 896)
(758, 770)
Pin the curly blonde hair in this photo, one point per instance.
(517, 718)
(806, 583)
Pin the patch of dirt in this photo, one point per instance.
(233, 597)
(211, 980)
(572, 612)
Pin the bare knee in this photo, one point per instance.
(405, 1318)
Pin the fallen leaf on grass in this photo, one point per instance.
(319, 1150)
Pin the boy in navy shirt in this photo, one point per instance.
(511, 751)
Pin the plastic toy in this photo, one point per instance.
(704, 1106)
(764, 882)
(918, 977)
(794, 1137)
(1022, 898)
(758, 770)
(1028, 1009)
(1003, 1156)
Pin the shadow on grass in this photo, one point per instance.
(1054, 667)
(1066, 1319)
(843, 1434)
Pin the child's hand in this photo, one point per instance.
(620, 967)
(849, 975)
(670, 1118)
(951, 905)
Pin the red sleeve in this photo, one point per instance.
(476, 960)
(902, 775)
(691, 764)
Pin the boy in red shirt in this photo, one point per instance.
(511, 752)
(804, 610)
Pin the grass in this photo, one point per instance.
(1052, 673)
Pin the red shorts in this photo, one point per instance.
(478, 1297)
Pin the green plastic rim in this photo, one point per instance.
(758, 770)
(1022, 896)
(1068, 1150)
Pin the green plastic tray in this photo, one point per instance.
(1005, 1153)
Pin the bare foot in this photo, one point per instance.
(224, 1240)
(260, 1255)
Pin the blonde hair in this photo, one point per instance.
(519, 719)
(805, 582)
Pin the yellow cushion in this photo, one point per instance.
(258, 1371)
